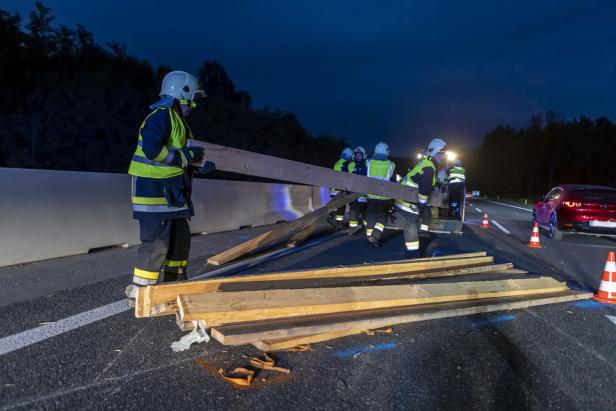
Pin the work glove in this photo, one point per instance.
(193, 154)
(207, 168)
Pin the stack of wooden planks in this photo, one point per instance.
(277, 311)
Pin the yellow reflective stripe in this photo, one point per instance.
(353, 223)
(339, 217)
(176, 263)
(368, 231)
(379, 226)
(149, 275)
(412, 243)
(149, 200)
(162, 155)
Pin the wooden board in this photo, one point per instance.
(151, 296)
(260, 165)
(233, 307)
(282, 231)
(286, 343)
(299, 327)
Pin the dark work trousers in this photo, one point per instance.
(357, 213)
(456, 195)
(409, 222)
(377, 211)
(425, 220)
(165, 245)
(337, 217)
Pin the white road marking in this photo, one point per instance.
(503, 229)
(588, 245)
(611, 318)
(478, 210)
(43, 332)
(509, 205)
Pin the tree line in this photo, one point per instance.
(551, 150)
(68, 103)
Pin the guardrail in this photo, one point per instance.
(47, 214)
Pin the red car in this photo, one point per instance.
(579, 209)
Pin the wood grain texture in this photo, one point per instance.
(370, 319)
(260, 165)
(154, 295)
(233, 307)
(286, 343)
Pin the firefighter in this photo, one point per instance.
(358, 207)
(456, 183)
(161, 183)
(346, 157)
(381, 168)
(413, 217)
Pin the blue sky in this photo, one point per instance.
(397, 71)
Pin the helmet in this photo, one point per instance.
(346, 154)
(436, 146)
(361, 150)
(456, 162)
(381, 148)
(180, 85)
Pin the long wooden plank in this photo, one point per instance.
(260, 165)
(282, 231)
(151, 296)
(278, 329)
(286, 343)
(233, 307)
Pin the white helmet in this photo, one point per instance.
(180, 85)
(346, 154)
(361, 150)
(436, 146)
(381, 148)
(457, 162)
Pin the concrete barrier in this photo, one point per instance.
(47, 214)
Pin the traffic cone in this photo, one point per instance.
(607, 289)
(534, 237)
(485, 223)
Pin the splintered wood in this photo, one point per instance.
(278, 311)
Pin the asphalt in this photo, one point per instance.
(559, 356)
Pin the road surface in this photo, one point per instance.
(560, 356)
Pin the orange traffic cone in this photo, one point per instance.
(607, 289)
(534, 237)
(485, 223)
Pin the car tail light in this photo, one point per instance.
(573, 204)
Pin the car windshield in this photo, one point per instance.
(596, 193)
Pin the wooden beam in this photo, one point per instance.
(282, 231)
(286, 343)
(299, 327)
(260, 165)
(233, 307)
(154, 295)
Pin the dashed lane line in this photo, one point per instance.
(503, 229)
(508, 205)
(478, 210)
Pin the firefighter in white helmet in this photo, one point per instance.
(381, 168)
(161, 183)
(456, 185)
(357, 207)
(413, 217)
(336, 218)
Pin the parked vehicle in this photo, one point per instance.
(577, 209)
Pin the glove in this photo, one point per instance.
(207, 168)
(193, 154)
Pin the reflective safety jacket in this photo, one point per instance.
(381, 170)
(359, 168)
(160, 186)
(423, 178)
(456, 175)
(341, 165)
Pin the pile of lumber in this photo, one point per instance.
(277, 311)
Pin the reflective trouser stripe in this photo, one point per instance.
(353, 223)
(143, 281)
(369, 231)
(424, 227)
(149, 275)
(339, 217)
(379, 226)
(412, 245)
(176, 263)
